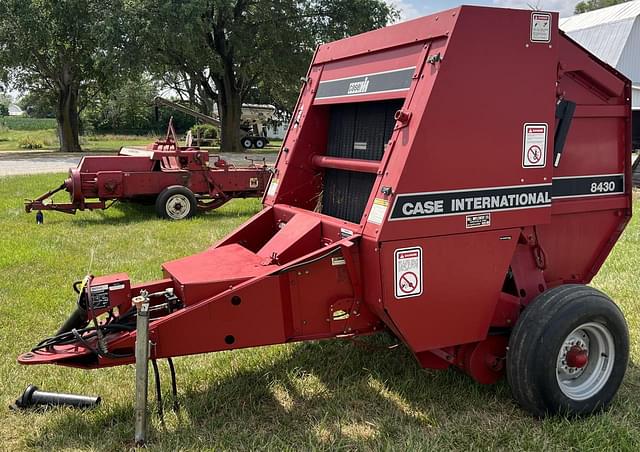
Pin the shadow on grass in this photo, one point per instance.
(121, 213)
(327, 394)
(133, 212)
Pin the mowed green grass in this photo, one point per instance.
(330, 395)
(10, 140)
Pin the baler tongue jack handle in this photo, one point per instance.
(33, 397)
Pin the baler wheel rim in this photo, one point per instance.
(583, 383)
(176, 203)
(177, 206)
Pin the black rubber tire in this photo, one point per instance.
(246, 143)
(260, 143)
(536, 341)
(162, 202)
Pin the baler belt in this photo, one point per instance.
(356, 131)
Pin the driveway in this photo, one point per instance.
(16, 163)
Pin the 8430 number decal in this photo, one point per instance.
(580, 186)
(603, 187)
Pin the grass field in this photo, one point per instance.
(26, 123)
(331, 395)
(14, 140)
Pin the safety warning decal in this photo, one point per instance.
(534, 147)
(378, 211)
(540, 27)
(273, 187)
(408, 272)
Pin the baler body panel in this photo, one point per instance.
(468, 103)
(425, 320)
(419, 189)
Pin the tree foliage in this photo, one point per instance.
(65, 49)
(234, 51)
(591, 5)
(39, 104)
(128, 108)
(5, 101)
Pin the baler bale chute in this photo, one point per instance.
(180, 180)
(455, 180)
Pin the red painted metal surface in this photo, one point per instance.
(469, 216)
(136, 174)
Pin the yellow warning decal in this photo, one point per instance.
(378, 211)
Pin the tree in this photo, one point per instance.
(129, 108)
(5, 102)
(236, 50)
(68, 49)
(591, 5)
(39, 104)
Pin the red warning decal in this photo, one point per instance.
(408, 272)
(534, 147)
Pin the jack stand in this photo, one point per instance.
(141, 303)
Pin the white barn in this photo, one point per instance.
(613, 35)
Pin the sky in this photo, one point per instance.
(410, 9)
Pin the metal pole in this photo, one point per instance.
(142, 366)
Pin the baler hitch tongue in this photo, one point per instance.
(40, 204)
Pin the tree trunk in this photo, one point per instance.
(230, 111)
(68, 119)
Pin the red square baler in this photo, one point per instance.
(179, 180)
(455, 180)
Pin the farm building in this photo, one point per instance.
(14, 110)
(613, 35)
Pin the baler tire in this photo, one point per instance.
(175, 191)
(259, 143)
(246, 143)
(537, 354)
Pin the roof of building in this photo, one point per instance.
(15, 110)
(615, 13)
(612, 34)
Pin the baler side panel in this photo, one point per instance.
(462, 279)
(592, 193)
(153, 182)
(459, 138)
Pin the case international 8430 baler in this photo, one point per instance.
(455, 180)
